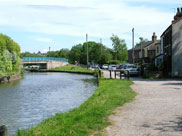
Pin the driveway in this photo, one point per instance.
(156, 111)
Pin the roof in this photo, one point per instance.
(143, 45)
(166, 30)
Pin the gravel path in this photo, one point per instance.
(156, 111)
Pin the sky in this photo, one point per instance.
(37, 25)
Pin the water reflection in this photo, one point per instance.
(27, 102)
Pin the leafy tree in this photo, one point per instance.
(96, 54)
(63, 53)
(28, 54)
(75, 53)
(9, 55)
(53, 54)
(119, 48)
(142, 41)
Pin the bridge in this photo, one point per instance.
(44, 62)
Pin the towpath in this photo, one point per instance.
(156, 110)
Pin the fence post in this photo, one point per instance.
(120, 74)
(99, 72)
(3, 131)
(110, 74)
(128, 75)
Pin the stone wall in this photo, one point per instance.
(54, 64)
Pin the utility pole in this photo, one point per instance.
(141, 39)
(133, 55)
(87, 49)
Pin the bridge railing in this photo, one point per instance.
(44, 59)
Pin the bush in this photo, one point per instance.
(9, 55)
(114, 62)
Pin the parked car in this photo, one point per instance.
(131, 68)
(112, 67)
(105, 66)
(119, 66)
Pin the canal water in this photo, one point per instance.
(27, 102)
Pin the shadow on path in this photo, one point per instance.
(174, 125)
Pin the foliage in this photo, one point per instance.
(91, 116)
(114, 62)
(73, 68)
(75, 53)
(9, 55)
(119, 48)
(28, 54)
(98, 53)
(142, 41)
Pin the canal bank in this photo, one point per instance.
(11, 77)
(91, 117)
(27, 102)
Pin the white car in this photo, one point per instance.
(105, 66)
(131, 68)
(112, 67)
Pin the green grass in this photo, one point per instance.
(73, 68)
(91, 116)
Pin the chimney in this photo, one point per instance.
(154, 37)
(178, 15)
(178, 10)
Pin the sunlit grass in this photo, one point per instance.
(73, 68)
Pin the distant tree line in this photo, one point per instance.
(9, 55)
(98, 53)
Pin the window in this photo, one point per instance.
(157, 49)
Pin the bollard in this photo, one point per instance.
(120, 74)
(128, 75)
(110, 74)
(3, 131)
(99, 72)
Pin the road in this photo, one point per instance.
(156, 110)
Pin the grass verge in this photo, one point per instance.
(73, 69)
(91, 116)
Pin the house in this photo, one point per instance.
(146, 52)
(158, 54)
(171, 41)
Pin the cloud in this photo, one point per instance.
(48, 40)
(156, 2)
(44, 50)
(98, 18)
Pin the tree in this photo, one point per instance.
(79, 53)
(119, 48)
(75, 53)
(28, 54)
(142, 41)
(9, 55)
(53, 54)
(63, 53)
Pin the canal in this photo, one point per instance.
(29, 101)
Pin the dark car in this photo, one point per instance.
(119, 67)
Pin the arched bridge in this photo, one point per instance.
(45, 62)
